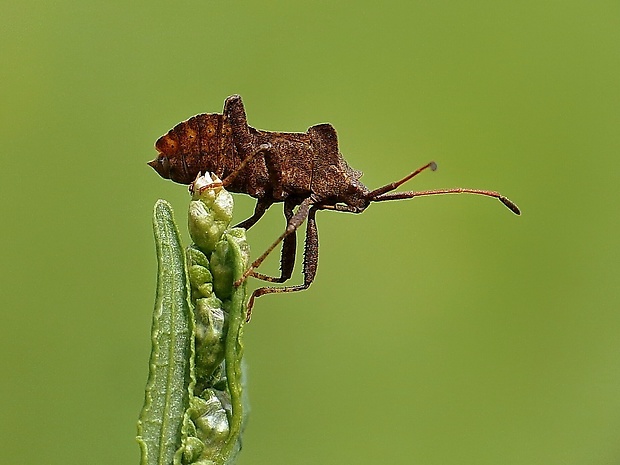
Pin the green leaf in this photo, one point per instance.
(169, 384)
(239, 256)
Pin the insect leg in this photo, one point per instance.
(262, 205)
(289, 249)
(296, 220)
(311, 261)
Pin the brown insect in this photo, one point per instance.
(303, 170)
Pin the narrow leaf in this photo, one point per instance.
(239, 257)
(168, 387)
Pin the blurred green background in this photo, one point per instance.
(439, 330)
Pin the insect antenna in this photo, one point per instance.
(393, 185)
(457, 190)
(381, 194)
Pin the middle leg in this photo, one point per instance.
(289, 250)
(296, 220)
(311, 262)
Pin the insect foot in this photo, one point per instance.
(305, 171)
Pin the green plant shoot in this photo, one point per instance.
(195, 407)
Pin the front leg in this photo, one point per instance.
(262, 205)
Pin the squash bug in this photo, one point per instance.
(305, 171)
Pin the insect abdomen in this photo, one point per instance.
(202, 143)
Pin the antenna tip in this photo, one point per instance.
(510, 204)
(433, 166)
